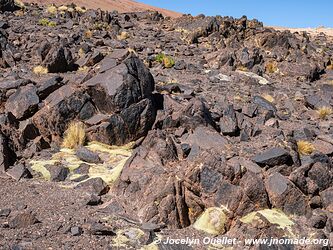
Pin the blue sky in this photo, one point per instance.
(287, 13)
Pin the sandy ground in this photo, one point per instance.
(311, 31)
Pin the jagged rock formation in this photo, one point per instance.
(230, 120)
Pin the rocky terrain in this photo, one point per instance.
(109, 5)
(192, 127)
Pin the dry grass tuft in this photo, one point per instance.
(81, 53)
(79, 9)
(83, 69)
(52, 9)
(323, 112)
(305, 148)
(88, 34)
(271, 67)
(74, 136)
(40, 70)
(123, 36)
(168, 62)
(63, 8)
(242, 68)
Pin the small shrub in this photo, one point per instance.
(40, 70)
(123, 36)
(242, 68)
(83, 69)
(101, 26)
(159, 58)
(305, 148)
(167, 61)
(81, 53)
(52, 9)
(81, 10)
(63, 8)
(74, 136)
(271, 67)
(52, 24)
(323, 112)
(88, 34)
(47, 22)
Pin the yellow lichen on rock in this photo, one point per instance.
(276, 217)
(39, 166)
(114, 160)
(212, 221)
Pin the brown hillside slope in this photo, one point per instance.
(119, 5)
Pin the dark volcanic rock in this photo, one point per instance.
(95, 186)
(241, 90)
(121, 86)
(23, 220)
(283, 194)
(18, 172)
(7, 156)
(61, 107)
(130, 124)
(262, 102)
(59, 59)
(273, 157)
(228, 123)
(87, 155)
(100, 229)
(49, 86)
(7, 5)
(24, 103)
(5, 212)
(57, 172)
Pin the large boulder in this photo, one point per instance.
(117, 105)
(121, 86)
(192, 28)
(7, 5)
(283, 194)
(59, 59)
(124, 94)
(130, 124)
(61, 107)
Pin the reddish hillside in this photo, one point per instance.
(119, 5)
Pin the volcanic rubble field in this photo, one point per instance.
(195, 127)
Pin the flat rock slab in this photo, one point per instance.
(23, 220)
(323, 147)
(23, 103)
(207, 138)
(87, 155)
(95, 186)
(273, 157)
